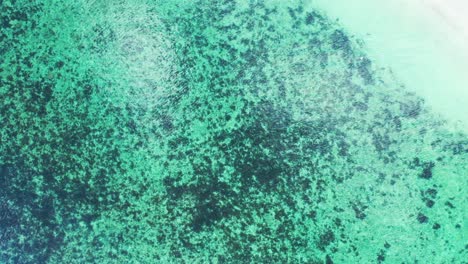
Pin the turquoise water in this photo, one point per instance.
(216, 132)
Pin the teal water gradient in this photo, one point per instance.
(215, 132)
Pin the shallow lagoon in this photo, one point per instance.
(208, 132)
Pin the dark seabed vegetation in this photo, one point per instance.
(150, 131)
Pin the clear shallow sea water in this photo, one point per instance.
(217, 132)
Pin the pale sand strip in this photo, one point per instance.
(450, 19)
(454, 13)
(421, 41)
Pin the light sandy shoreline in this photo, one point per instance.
(423, 42)
(449, 21)
(453, 12)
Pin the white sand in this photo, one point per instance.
(453, 18)
(424, 42)
(453, 12)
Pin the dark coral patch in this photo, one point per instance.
(422, 218)
(427, 170)
(325, 240)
